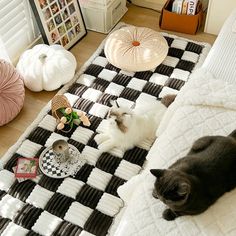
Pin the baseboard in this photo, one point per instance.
(143, 3)
(158, 6)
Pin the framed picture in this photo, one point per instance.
(60, 21)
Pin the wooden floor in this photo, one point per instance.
(34, 102)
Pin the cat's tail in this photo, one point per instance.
(233, 134)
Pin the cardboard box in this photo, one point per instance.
(188, 24)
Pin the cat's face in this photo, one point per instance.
(171, 187)
(120, 117)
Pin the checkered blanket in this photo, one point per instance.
(88, 203)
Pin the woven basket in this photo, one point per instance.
(58, 102)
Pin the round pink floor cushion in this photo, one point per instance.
(12, 92)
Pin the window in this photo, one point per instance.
(17, 27)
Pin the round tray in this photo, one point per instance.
(51, 168)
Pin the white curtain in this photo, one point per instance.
(17, 27)
(3, 52)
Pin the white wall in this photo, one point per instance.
(204, 4)
(217, 13)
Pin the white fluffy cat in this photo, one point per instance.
(128, 127)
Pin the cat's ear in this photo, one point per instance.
(183, 189)
(157, 172)
(202, 143)
(233, 134)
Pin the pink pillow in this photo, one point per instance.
(12, 92)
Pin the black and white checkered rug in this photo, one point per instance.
(88, 203)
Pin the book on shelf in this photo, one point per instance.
(177, 6)
(192, 6)
(184, 7)
(188, 7)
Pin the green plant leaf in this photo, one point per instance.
(75, 115)
(71, 124)
(77, 121)
(62, 110)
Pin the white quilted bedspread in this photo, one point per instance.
(205, 106)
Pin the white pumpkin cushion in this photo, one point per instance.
(136, 48)
(46, 67)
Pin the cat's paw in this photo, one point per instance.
(169, 215)
(106, 146)
(100, 138)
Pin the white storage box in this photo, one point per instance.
(95, 2)
(100, 17)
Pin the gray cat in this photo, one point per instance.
(196, 181)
